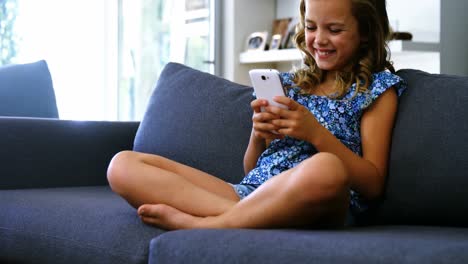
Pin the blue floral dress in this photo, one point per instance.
(340, 116)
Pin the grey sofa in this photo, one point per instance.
(56, 206)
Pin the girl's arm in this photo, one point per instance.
(367, 173)
(254, 149)
(261, 134)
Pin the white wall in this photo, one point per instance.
(420, 17)
(287, 8)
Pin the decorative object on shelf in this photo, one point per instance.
(257, 41)
(281, 27)
(288, 41)
(399, 35)
(275, 42)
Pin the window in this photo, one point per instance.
(8, 38)
(153, 33)
(105, 56)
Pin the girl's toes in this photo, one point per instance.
(149, 210)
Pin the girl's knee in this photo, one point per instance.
(327, 166)
(119, 169)
(323, 174)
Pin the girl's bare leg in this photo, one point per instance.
(149, 179)
(315, 193)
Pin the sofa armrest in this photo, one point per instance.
(40, 153)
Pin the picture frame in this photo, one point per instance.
(257, 41)
(280, 27)
(275, 42)
(288, 41)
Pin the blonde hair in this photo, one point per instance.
(373, 55)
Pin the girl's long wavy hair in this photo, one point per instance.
(373, 55)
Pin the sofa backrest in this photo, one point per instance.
(198, 119)
(26, 90)
(428, 168)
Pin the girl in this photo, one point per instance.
(330, 153)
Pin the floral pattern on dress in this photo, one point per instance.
(340, 116)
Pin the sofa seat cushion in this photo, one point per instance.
(27, 90)
(378, 244)
(71, 225)
(198, 119)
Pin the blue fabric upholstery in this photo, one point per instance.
(42, 152)
(378, 244)
(71, 225)
(428, 180)
(27, 90)
(198, 119)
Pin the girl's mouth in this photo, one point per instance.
(323, 54)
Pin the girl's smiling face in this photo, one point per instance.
(331, 33)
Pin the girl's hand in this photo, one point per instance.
(296, 121)
(262, 121)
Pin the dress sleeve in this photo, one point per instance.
(382, 82)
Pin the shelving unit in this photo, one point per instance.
(404, 53)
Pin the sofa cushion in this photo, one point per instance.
(71, 225)
(26, 90)
(379, 244)
(428, 171)
(198, 119)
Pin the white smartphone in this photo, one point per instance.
(267, 84)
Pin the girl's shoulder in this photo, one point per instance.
(381, 82)
(384, 80)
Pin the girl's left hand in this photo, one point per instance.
(296, 121)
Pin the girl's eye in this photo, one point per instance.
(335, 30)
(310, 26)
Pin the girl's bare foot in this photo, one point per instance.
(169, 218)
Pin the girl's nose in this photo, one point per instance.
(320, 38)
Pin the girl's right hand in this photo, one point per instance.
(262, 121)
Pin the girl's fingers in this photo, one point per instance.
(257, 104)
(264, 127)
(264, 117)
(281, 112)
(268, 135)
(282, 123)
(290, 103)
